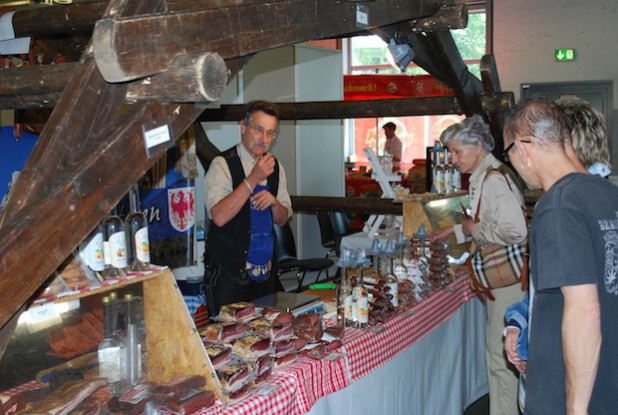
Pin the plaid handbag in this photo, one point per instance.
(495, 266)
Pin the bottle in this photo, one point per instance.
(448, 174)
(109, 350)
(456, 179)
(93, 251)
(362, 300)
(344, 293)
(137, 234)
(399, 269)
(389, 277)
(133, 346)
(115, 246)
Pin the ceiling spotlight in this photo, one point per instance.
(402, 54)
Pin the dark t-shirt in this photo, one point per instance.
(573, 241)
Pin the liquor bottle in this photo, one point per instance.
(399, 269)
(109, 350)
(362, 297)
(115, 245)
(448, 173)
(438, 168)
(456, 179)
(389, 277)
(137, 234)
(93, 251)
(133, 346)
(344, 293)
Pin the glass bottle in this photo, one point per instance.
(133, 347)
(109, 349)
(448, 173)
(362, 297)
(389, 277)
(344, 293)
(400, 270)
(115, 246)
(93, 251)
(456, 179)
(137, 234)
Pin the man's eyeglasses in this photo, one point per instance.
(260, 131)
(505, 153)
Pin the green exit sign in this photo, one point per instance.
(562, 55)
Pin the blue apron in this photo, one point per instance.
(262, 241)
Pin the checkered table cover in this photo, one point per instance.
(299, 385)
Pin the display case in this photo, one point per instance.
(436, 211)
(59, 336)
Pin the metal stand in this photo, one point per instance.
(373, 223)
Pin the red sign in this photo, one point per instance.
(356, 87)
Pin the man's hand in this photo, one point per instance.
(440, 233)
(510, 348)
(263, 168)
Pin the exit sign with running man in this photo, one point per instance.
(563, 55)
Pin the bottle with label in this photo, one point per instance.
(448, 173)
(115, 246)
(361, 295)
(399, 268)
(137, 234)
(456, 179)
(344, 293)
(389, 277)
(109, 350)
(93, 252)
(132, 342)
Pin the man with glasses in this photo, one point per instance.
(572, 365)
(245, 193)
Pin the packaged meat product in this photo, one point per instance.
(285, 317)
(192, 402)
(66, 398)
(240, 311)
(262, 378)
(236, 396)
(287, 346)
(224, 332)
(316, 352)
(251, 347)
(132, 401)
(281, 331)
(260, 365)
(284, 360)
(233, 376)
(219, 354)
(260, 325)
(308, 327)
(179, 386)
(270, 313)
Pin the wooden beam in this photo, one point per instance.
(448, 17)
(57, 218)
(334, 110)
(135, 47)
(346, 204)
(491, 86)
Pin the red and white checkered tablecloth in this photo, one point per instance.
(299, 385)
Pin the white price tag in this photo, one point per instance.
(43, 312)
(156, 136)
(362, 16)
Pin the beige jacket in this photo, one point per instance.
(501, 219)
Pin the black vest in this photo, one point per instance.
(227, 245)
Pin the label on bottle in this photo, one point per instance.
(118, 250)
(456, 180)
(438, 179)
(394, 291)
(348, 307)
(362, 306)
(142, 245)
(109, 363)
(108, 258)
(95, 253)
(448, 179)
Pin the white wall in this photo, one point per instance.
(526, 33)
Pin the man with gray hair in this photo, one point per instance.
(572, 367)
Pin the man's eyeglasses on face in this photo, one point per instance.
(505, 153)
(260, 131)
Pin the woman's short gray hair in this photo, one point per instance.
(469, 132)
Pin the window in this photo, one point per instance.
(368, 55)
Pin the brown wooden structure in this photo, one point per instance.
(91, 149)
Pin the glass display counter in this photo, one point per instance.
(435, 211)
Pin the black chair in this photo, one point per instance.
(341, 227)
(288, 260)
(327, 234)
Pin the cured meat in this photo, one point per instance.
(238, 395)
(285, 360)
(219, 355)
(262, 378)
(179, 386)
(237, 311)
(308, 327)
(66, 398)
(290, 345)
(233, 376)
(223, 332)
(281, 332)
(251, 347)
(132, 401)
(193, 402)
(259, 366)
(284, 317)
(260, 325)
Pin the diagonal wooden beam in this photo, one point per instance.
(60, 215)
(130, 48)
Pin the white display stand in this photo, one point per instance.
(373, 223)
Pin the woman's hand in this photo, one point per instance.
(467, 226)
(440, 233)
